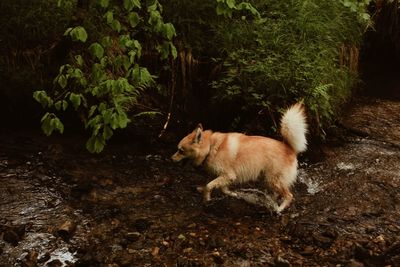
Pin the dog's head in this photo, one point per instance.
(192, 147)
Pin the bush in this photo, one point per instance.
(292, 53)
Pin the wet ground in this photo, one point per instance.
(60, 206)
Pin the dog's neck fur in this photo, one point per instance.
(209, 141)
(212, 144)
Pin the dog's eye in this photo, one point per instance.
(181, 151)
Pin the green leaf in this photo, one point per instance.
(45, 117)
(106, 41)
(123, 120)
(64, 105)
(116, 25)
(62, 80)
(114, 121)
(133, 19)
(174, 53)
(99, 144)
(58, 105)
(92, 110)
(78, 34)
(168, 30)
(129, 5)
(164, 50)
(136, 3)
(75, 100)
(96, 50)
(126, 62)
(43, 98)
(109, 17)
(68, 31)
(104, 3)
(79, 60)
(230, 3)
(107, 115)
(58, 125)
(47, 125)
(95, 144)
(107, 132)
(50, 122)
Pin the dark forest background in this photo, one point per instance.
(158, 68)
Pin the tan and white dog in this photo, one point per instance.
(239, 158)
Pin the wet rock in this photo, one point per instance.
(86, 260)
(307, 251)
(354, 263)
(11, 237)
(185, 262)
(395, 261)
(322, 241)
(125, 259)
(214, 242)
(360, 252)
(66, 229)
(281, 262)
(141, 225)
(394, 249)
(54, 263)
(217, 258)
(368, 257)
(45, 257)
(133, 236)
(31, 259)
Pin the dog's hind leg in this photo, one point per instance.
(222, 182)
(284, 192)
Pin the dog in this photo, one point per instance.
(239, 158)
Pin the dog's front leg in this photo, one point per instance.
(222, 182)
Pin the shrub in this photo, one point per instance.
(297, 50)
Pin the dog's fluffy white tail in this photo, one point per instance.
(294, 127)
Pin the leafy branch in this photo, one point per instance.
(105, 78)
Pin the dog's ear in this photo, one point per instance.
(198, 131)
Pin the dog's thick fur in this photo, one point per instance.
(239, 158)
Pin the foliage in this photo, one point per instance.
(29, 30)
(105, 77)
(290, 54)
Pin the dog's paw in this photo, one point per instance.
(206, 199)
(232, 194)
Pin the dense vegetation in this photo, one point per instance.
(112, 61)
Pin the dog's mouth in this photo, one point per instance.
(183, 161)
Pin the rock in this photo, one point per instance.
(31, 259)
(394, 249)
(354, 263)
(45, 257)
(54, 263)
(361, 252)
(217, 257)
(141, 225)
(308, 250)
(66, 229)
(155, 251)
(214, 242)
(133, 236)
(125, 259)
(281, 262)
(322, 241)
(11, 237)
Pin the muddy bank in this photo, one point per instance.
(60, 206)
